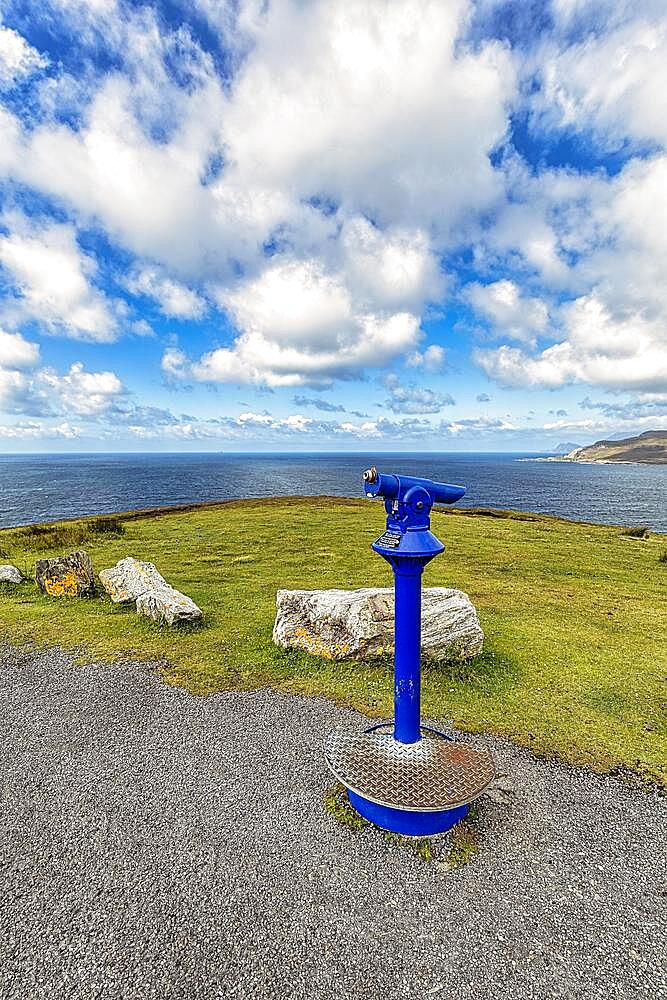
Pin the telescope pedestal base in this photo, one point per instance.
(415, 789)
(407, 822)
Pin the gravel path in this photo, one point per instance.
(157, 845)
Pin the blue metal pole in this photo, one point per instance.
(407, 645)
(426, 790)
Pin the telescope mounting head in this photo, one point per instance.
(408, 501)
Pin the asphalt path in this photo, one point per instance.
(158, 845)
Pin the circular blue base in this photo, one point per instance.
(407, 822)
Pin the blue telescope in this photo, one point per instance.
(376, 484)
(408, 545)
(402, 776)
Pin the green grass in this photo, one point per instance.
(640, 531)
(575, 616)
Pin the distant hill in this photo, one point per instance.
(649, 448)
(564, 448)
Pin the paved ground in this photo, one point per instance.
(157, 845)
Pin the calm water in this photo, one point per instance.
(47, 487)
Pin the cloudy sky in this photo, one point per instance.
(331, 224)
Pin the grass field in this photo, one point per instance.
(575, 616)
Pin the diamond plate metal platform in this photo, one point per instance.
(433, 774)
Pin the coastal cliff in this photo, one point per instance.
(649, 448)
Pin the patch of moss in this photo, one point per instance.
(465, 843)
(338, 806)
(455, 850)
(640, 531)
(424, 847)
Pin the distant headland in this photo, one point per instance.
(649, 448)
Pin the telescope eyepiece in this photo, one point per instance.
(370, 475)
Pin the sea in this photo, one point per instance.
(37, 488)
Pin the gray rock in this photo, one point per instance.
(346, 624)
(10, 574)
(129, 579)
(167, 606)
(66, 576)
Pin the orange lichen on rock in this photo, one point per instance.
(67, 587)
(66, 576)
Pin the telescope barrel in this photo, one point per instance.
(395, 487)
(446, 492)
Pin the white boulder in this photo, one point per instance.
(129, 579)
(359, 624)
(133, 580)
(167, 606)
(10, 574)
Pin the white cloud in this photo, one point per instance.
(146, 194)
(649, 405)
(296, 304)
(474, 427)
(174, 363)
(612, 332)
(510, 313)
(611, 80)
(396, 269)
(375, 149)
(246, 425)
(17, 58)
(615, 425)
(299, 325)
(16, 387)
(256, 359)
(52, 277)
(86, 394)
(142, 329)
(311, 142)
(433, 358)
(628, 353)
(16, 351)
(601, 240)
(92, 7)
(414, 399)
(15, 390)
(173, 298)
(43, 392)
(35, 430)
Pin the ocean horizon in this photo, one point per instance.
(42, 487)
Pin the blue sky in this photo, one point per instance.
(307, 225)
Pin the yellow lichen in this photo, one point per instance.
(67, 587)
(317, 645)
